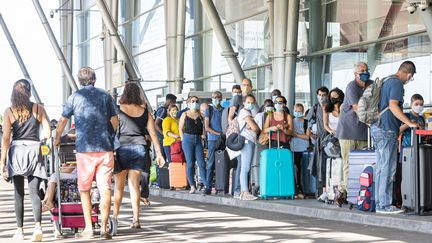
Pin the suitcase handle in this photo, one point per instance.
(278, 139)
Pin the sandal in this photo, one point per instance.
(145, 201)
(136, 225)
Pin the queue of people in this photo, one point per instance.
(99, 123)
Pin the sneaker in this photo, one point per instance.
(37, 234)
(192, 190)
(105, 235)
(86, 234)
(236, 195)
(323, 197)
(341, 199)
(19, 235)
(389, 210)
(245, 196)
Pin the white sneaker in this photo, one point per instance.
(245, 196)
(323, 197)
(19, 235)
(389, 210)
(37, 234)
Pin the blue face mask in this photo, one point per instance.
(216, 101)
(194, 106)
(364, 76)
(249, 106)
(298, 114)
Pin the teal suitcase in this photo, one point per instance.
(276, 173)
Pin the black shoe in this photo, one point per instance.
(105, 235)
(341, 199)
(206, 191)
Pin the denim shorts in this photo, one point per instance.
(132, 157)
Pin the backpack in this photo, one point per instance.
(368, 105)
(366, 197)
(331, 147)
(224, 118)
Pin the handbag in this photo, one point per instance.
(176, 153)
(235, 141)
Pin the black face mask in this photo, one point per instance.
(334, 100)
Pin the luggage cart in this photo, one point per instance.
(67, 212)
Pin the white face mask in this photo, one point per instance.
(417, 109)
(278, 107)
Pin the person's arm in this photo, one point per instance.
(231, 113)
(181, 124)
(7, 131)
(289, 128)
(251, 123)
(158, 125)
(152, 132)
(43, 119)
(326, 123)
(403, 128)
(207, 124)
(115, 122)
(267, 127)
(398, 113)
(166, 128)
(61, 124)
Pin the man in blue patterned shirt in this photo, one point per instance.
(95, 115)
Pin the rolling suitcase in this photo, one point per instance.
(333, 178)
(276, 173)
(308, 180)
(358, 160)
(416, 184)
(163, 177)
(177, 175)
(222, 169)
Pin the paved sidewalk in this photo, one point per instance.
(311, 208)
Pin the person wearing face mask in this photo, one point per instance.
(191, 129)
(415, 116)
(315, 119)
(385, 135)
(213, 126)
(237, 101)
(352, 133)
(249, 130)
(170, 128)
(266, 109)
(332, 110)
(279, 121)
(299, 144)
(274, 94)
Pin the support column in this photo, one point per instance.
(19, 59)
(120, 47)
(222, 37)
(66, 34)
(270, 6)
(108, 51)
(197, 48)
(427, 19)
(170, 9)
(279, 42)
(180, 45)
(291, 53)
(316, 42)
(65, 67)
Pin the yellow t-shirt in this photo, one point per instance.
(169, 125)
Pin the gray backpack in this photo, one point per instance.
(368, 105)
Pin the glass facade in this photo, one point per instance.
(353, 31)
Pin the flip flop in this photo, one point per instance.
(145, 201)
(46, 207)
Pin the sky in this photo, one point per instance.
(36, 51)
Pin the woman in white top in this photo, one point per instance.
(249, 129)
(332, 110)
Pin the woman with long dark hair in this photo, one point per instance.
(133, 156)
(22, 122)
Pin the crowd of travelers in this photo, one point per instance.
(102, 127)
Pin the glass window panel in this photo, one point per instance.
(95, 53)
(148, 31)
(152, 66)
(233, 10)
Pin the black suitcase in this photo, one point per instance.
(222, 168)
(163, 177)
(416, 177)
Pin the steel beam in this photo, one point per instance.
(427, 19)
(19, 59)
(180, 46)
(130, 65)
(224, 42)
(316, 43)
(270, 7)
(65, 67)
(170, 10)
(66, 33)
